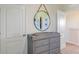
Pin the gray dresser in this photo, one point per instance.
(44, 43)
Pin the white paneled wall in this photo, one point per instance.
(30, 12)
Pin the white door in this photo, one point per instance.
(61, 22)
(15, 40)
(14, 30)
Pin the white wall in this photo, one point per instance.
(30, 12)
(73, 27)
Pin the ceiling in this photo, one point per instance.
(69, 7)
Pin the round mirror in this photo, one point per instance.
(42, 20)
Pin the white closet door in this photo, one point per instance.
(61, 27)
(15, 40)
(14, 28)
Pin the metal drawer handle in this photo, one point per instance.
(24, 35)
(0, 33)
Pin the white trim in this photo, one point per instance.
(73, 43)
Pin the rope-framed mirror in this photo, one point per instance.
(42, 19)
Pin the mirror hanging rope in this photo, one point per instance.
(42, 19)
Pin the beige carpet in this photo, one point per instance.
(70, 49)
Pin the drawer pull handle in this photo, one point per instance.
(24, 35)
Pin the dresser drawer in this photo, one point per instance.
(41, 49)
(54, 40)
(41, 42)
(55, 45)
(55, 51)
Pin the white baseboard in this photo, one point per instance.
(73, 43)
